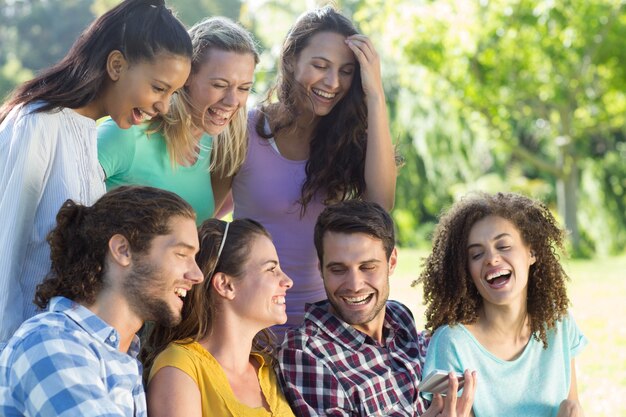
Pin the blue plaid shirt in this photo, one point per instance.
(65, 362)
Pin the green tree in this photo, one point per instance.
(544, 78)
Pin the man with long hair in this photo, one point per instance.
(125, 260)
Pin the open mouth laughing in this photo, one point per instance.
(498, 279)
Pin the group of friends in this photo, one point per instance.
(153, 306)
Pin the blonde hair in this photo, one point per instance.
(230, 146)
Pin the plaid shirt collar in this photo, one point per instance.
(340, 331)
(91, 323)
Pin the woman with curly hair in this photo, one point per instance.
(218, 361)
(324, 140)
(497, 303)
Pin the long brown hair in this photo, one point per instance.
(199, 309)
(140, 29)
(336, 164)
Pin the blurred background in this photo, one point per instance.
(492, 95)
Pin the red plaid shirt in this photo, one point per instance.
(329, 368)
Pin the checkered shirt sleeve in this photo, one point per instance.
(57, 375)
(54, 367)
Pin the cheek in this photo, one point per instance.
(474, 271)
(304, 77)
(346, 82)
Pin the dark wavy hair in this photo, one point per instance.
(199, 309)
(140, 29)
(336, 164)
(79, 242)
(355, 216)
(449, 291)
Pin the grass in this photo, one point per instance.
(597, 291)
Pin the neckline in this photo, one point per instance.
(272, 142)
(222, 382)
(205, 145)
(488, 353)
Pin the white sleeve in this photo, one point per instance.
(26, 152)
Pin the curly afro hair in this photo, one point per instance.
(449, 291)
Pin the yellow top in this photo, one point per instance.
(217, 396)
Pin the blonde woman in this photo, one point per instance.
(204, 131)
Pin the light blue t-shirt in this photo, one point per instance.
(534, 384)
(133, 157)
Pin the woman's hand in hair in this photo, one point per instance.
(369, 61)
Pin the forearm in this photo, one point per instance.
(380, 164)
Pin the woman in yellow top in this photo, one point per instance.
(218, 360)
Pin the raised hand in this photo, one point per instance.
(369, 61)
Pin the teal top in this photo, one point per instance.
(131, 156)
(534, 384)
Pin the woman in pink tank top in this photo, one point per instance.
(324, 140)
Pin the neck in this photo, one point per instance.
(115, 310)
(508, 320)
(302, 127)
(230, 342)
(92, 110)
(373, 328)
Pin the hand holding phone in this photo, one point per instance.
(436, 382)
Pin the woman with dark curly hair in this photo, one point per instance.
(325, 139)
(497, 303)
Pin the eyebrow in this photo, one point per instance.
(500, 236)
(185, 246)
(330, 62)
(162, 82)
(227, 81)
(367, 261)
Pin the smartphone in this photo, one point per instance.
(436, 382)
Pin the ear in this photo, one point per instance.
(119, 248)
(116, 64)
(223, 285)
(533, 259)
(393, 260)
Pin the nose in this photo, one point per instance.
(492, 257)
(286, 281)
(195, 275)
(163, 106)
(332, 79)
(230, 98)
(353, 281)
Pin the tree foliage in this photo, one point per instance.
(529, 92)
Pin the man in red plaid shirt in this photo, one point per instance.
(358, 354)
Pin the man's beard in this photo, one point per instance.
(146, 288)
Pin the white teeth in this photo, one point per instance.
(357, 300)
(144, 115)
(324, 93)
(496, 274)
(221, 113)
(182, 293)
(279, 300)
